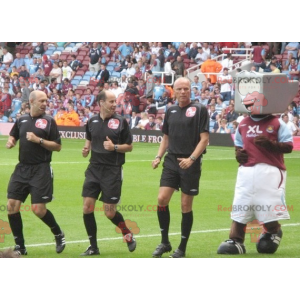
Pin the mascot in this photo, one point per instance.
(260, 143)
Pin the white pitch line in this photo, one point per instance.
(146, 236)
(131, 161)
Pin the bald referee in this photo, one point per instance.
(38, 136)
(186, 135)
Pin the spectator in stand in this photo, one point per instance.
(293, 48)
(95, 58)
(294, 70)
(274, 69)
(42, 87)
(174, 53)
(126, 106)
(3, 118)
(206, 48)
(211, 66)
(196, 83)
(24, 73)
(273, 48)
(178, 67)
(38, 50)
(154, 48)
(193, 52)
(116, 89)
(67, 72)
(60, 116)
(225, 80)
(158, 123)
(151, 124)
(143, 121)
(223, 126)
(155, 65)
(125, 49)
(274, 61)
(227, 62)
(241, 45)
(74, 64)
(105, 52)
(132, 94)
(28, 60)
(88, 100)
(47, 66)
(103, 74)
(161, 59)
(134, 120)
(201, 56)
(183, 50)
(138, 73)
(158, 90)
(212, 113)
(150, 82)
(220, 105)
(296, 122)
(13, 72)
(6, 101)
(116, 57)
(56, 73)
(77, 102)
(71, 117)
(259, 57)
(289, 124)
(16, 105)
(66, 86)
(129, 71)
(167, 51)
(32, 68)
(231, 115)
(25, 91)
(18, 62)
(137, 54)
(7, 57)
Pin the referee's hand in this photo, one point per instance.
(10, 144)
(185, 163)
(155, 163)
(85, 151)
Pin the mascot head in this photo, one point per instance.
(263, 93)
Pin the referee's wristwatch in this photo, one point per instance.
(41, 141)
(116, 147)
(157, 156)
(193, 158)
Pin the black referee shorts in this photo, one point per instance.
(36, 180)
(104, 179)
(185, 179)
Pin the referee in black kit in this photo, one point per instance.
(39, 136)
(108, 138)
(186, 135)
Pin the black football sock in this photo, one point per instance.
(163, 214)
(16, 225)
(118, 220)
(91, 228)
(49, 220)
(186, 227)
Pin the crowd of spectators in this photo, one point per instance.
(141, 68)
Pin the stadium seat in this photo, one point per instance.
(63, 57)
(110, 68)
(83, 52)
(60, 49)
(79, 57)
(75, 81)
(68, 49)
(48, 52)
(112, 63)
(77, 77)
(56, 52)
(89, 73)
(78, 91)
(298, 110)
(87, 78)
(80, 73)
(83, 82)
(116, 74)
(92, 87)
(51, 48)
(86, 63)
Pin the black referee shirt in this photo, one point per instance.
(43, 127)
(117, 129)
(183, 127)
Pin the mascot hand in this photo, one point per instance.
(241, 155)
(264, 142)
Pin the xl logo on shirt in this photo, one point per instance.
(113, 123)
(190, 112)
(41, 123)
(254, 129)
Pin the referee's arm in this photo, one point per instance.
(161, 151)
(49, 145)
(204, 139)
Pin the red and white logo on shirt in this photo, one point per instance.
(191, 111)
(113, 123)
(41, 123)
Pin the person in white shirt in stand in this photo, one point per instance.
(225, 80)
(7, 57)
(290, 125)
(205, 48)
(227, 62)
(67, 71)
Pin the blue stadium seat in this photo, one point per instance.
(110, 68)
(49, 52)
(86, 77)
(89, 73)
(111, 63)
(60, 49)
(78, 77)
(75, 81)
(51, 48)
(298, 110)
(116, 74)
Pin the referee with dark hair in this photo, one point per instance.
(108, 138)
(186, 135)
(39, 136)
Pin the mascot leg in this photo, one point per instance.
(269, 240)
(235, 244)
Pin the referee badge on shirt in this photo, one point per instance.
(113, 123)
(41, 123)
(270, 128)
(190, 112)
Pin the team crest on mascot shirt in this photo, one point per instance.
(41, 123)
(190, 112)
(113, 123)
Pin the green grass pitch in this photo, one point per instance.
(139, 199)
